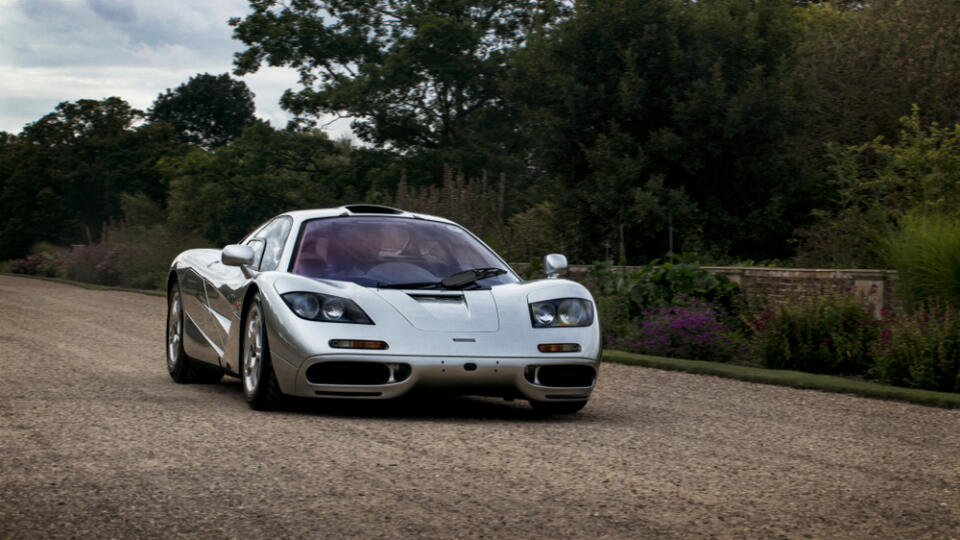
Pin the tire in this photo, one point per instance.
(182, 368)
(256, 370)
(557, 407)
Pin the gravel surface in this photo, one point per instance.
(97, 441)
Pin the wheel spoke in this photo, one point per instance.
(252, 351)
(174, 331)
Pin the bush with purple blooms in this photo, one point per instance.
(696, 331)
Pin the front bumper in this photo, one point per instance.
(518, 377)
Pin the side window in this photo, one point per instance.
(274, 235)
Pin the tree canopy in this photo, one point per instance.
(740, 129)
(413, 75)
(208, 110)
(643, 109)
(65, 173)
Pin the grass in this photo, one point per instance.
(84, 285)
(793, 379)
(926, 255)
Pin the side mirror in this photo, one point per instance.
(237, 255)
(554, 264)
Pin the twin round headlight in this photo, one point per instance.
(562, 312)
(324, 307)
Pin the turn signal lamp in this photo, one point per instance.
(358, 344)
(558, 347)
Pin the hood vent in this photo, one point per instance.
(372, 209)
(447, 298)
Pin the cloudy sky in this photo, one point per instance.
(64, 50)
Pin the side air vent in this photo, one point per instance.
(371, 209)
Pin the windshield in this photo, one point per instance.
(381, 251)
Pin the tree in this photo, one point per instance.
(63, 176)
(413, 75)
(877, 184)
(639, 110)
(862, 69)
(208, 110)
(222, 194)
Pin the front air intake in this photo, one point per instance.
(348, 373)
(561, 376)
(359, 373)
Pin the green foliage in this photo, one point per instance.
(640, 110)
(794, 379)
(480, 206)
(921, 349)
(601, 129)
(47, 263)
(877, 184)
(135, 252)
(860, 69)
(624, 296)
(695, 331)
(926, 255)
(614, 314)
(413, 75)
(831, 333)
(64, 175)
(662, 284)
(207, 110)
(224, 193)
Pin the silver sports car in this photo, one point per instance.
(371, 302)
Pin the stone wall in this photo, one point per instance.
(877, 286)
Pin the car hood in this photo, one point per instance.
(445, 311)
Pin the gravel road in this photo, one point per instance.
(97, 441)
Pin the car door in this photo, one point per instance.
(228, 283)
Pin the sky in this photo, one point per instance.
(64, 50)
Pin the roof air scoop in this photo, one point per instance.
(371, 209)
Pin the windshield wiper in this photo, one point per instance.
(456, 281)
(462, 279)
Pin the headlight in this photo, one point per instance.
(324, 307)
(561, 312)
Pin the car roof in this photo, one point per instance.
(359, 210)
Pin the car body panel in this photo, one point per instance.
(476, 341)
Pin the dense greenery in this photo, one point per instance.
(831, 334)
(64, 175)
(643, 112)
(414, 76)
(921, 349)
(207, 110)
(606, 129)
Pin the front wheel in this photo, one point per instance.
(557, 407)
(259, 381)
(181, 367)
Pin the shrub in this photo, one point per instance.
(663, 285)
(46, 260)
(614, 314)
(921, 349)
(830, 333)
(95, 263)
(695, 331)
